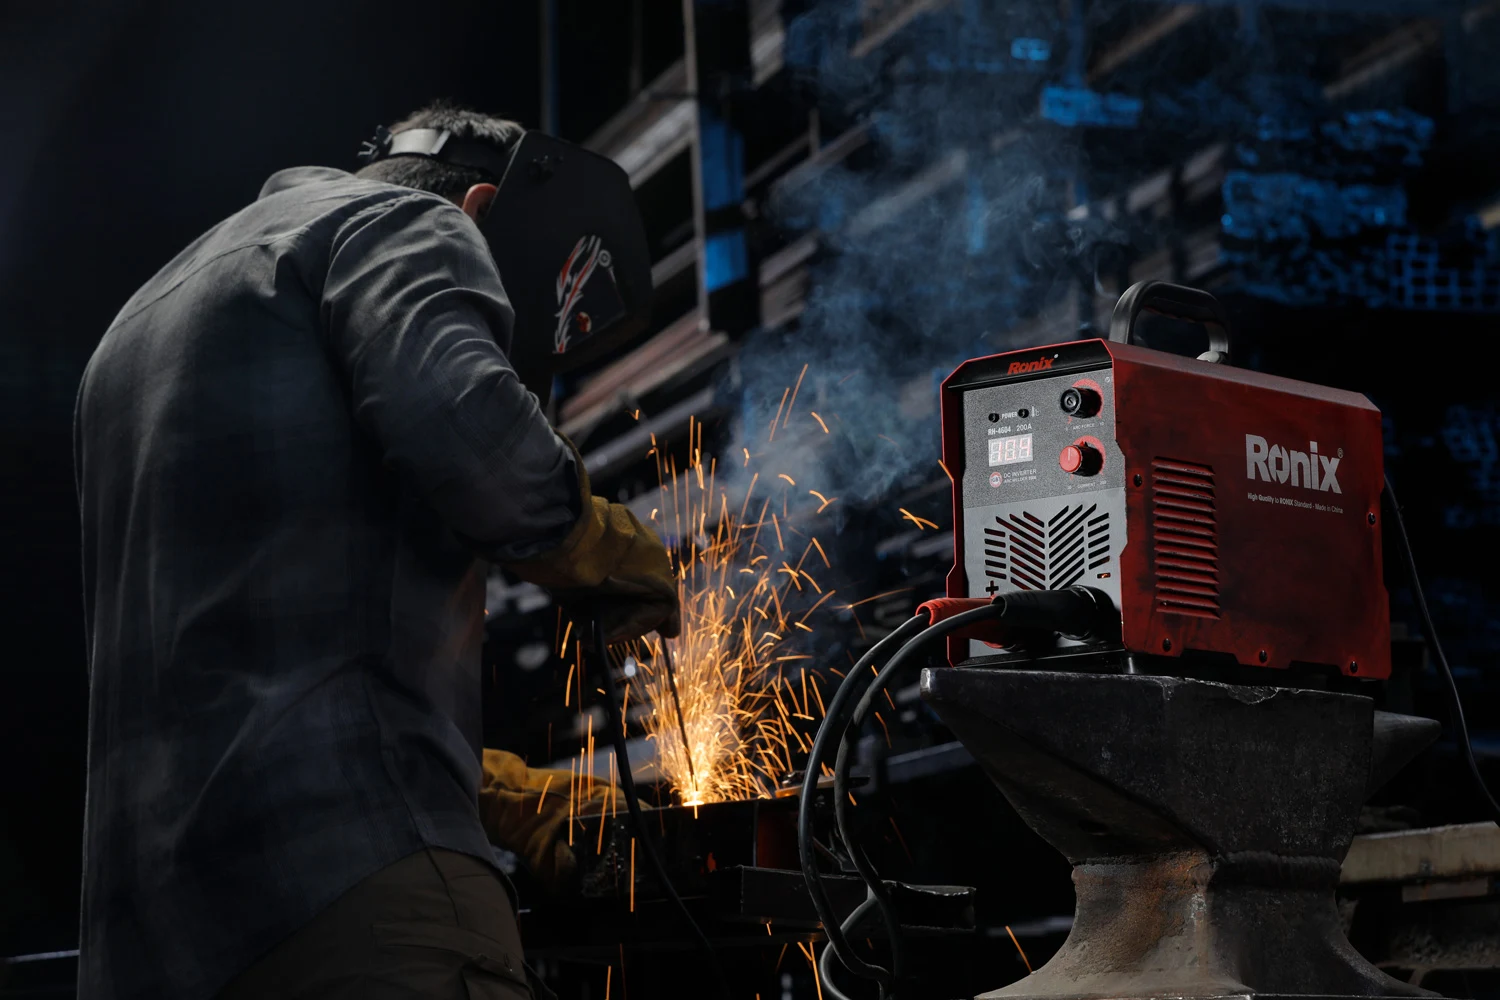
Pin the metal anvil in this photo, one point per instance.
(1205, 822)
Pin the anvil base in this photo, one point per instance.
(1205, 823)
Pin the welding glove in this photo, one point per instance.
(525, 810)
(611, 568)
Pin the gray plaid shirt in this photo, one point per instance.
(294, 444)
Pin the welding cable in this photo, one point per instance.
(633, 806)
(1455, 704)
(825, 967)
(841, 804)
(834, 720)
(1076, 612)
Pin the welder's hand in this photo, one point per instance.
(611, 567)
(525, 810)
(639, 594)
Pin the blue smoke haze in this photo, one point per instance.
(952, 227)
(950, 230)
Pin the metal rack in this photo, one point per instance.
(737, 49)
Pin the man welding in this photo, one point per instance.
(297, 447)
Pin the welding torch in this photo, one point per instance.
(687, 748)
(612, 702)
(1077, 612)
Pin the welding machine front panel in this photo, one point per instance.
(1043, 483)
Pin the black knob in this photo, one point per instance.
(1078, 401)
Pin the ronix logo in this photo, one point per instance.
(1276, 464)
(1021, 367)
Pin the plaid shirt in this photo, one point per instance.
(294, 444)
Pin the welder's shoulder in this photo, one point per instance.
(333, 207)
(327, 189)
(314, 206)
(307, 207)
(320, 198)
(298, 217)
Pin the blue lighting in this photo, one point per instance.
(1074, 106)
(978, 212)
(1031, 49)
(1286, 206)
(725, 259)
(723, 155)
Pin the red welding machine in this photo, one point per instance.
(1226, 513)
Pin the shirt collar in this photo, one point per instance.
(292, 177)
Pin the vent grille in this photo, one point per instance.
(1032, 554)
(1185, 536)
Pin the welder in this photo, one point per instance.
(298, 447)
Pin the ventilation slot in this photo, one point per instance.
(1028, 551)
(1033, 554)
(994, 553)
(1185, 538)
(1098, 534)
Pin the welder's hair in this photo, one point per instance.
(446, 179)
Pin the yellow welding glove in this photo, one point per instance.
(610, 568)
(525, 810)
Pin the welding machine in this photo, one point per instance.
(1131, 529)
(1225, 513)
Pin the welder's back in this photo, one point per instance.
(292, 444)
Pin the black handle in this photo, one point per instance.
(1177, 302)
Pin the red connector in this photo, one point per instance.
(941, 608)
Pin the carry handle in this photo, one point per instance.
(1192, 305)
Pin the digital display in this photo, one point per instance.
(1009, 450)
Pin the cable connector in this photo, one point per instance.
(1076, 613)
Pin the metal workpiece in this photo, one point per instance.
(695, 844)
(734, 864)
(1206, 824)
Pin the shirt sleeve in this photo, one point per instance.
(416, 316)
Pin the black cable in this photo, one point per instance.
(1455, 704)
(841, 804)
(838, 709)
(825, 968)
(1077, 612)
(633, 806)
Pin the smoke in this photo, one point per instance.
(952, 229)
(942, 232)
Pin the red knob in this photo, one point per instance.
(1081, 459)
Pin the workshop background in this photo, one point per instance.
(848, 195)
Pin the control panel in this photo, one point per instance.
(1043, 487)
(1040, 437)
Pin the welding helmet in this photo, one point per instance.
(566, 237)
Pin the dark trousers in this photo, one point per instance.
(433, 926)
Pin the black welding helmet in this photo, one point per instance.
(567, 239)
